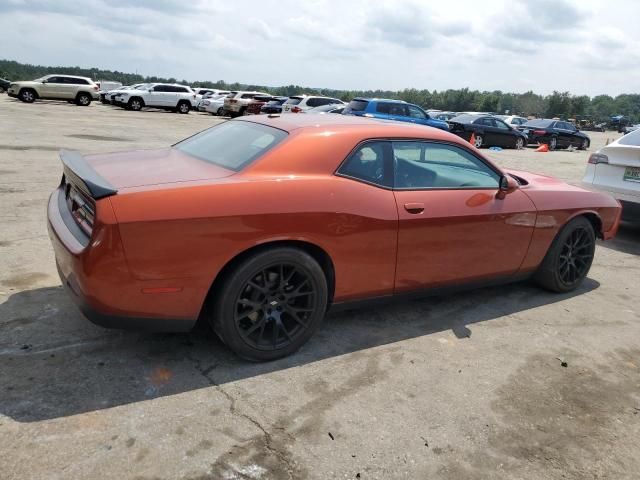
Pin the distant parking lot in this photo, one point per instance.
(501, 383)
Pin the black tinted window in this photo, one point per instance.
(293, 101)
(367, 163)
(75, 81)
(232, 145)
(318, 102)
(161, 88)
(181, 89)
(54, 80)
(248, 95)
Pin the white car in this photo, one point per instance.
(213, 105)
(513, 120)
(236, 103)
(202, 93)
(175, 97)
(208, 96)
(111, 96)
(615, 169)
(302, 103)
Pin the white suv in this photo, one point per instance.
(179, 98)
(302, 103)
(236, 103)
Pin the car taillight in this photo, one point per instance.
(296, 109)
(96, 88)
(82, 208)
(596, 158)
(539, 132)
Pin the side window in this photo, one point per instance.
(423, 165)
(398, 109)
(248, 95)
(53, 80)
(180, 89)
(382, 107)
(415, 112)
(367, 164)
(500, 124)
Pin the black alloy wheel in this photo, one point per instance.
(569, 258)
(270, 304)
(575, 256)
(274, 307)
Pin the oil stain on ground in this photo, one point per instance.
(98, 137)
(560, 423)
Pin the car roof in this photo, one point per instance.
(467, 118)
(292, 123)
(68, 76)
(375, 99)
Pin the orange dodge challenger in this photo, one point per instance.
(260, 224)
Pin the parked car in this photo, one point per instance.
(615, 169)
(555, 133)
(81, 90)
(388, 109)
(487, 131)
(4, 85)
(106, 86)
(259, 101)
(112, 96)
(178, 98)
(231, 227)
(214, 105)
(202, 93)
(331, 108)
(512, 120)
(302, 103)
(274, 106)
(631, 128)
(444, 116)
(235, 104)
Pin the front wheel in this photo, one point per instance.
(271, 304)
(27, 95)
(134, 104)
(220, 112)
(584, 145)
(478, 141)
(553, 143)
(569, 258)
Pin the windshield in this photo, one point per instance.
(41, 79)
(232, 145)
(356, 106)
(143, 86)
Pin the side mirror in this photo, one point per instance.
(508, 185)
(44, 81)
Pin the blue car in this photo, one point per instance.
(392, 110)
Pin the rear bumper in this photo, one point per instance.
(96, 277)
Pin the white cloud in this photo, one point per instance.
(577, 45)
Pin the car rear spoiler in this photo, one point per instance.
(81, 174)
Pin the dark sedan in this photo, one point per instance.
(4, 85)
(488, 131)
(274, 105)
(555, 133)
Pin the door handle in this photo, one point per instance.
(414, 208)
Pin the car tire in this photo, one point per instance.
(270, 304)
(220, 112)
(520, 143)
(83, 100)
(135, 104)
(478, 141)
(568, 260)
(27, 95)
(183, 107)
(242, 112)
(553, 143)
(584, 145)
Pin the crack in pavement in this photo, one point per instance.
(268, 441)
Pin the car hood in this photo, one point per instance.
(27, 83)
(153, 167)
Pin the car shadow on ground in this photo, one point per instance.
(627, 240)
(54, 363)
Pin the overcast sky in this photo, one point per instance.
(586, 47)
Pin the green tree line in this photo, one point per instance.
(558, 104)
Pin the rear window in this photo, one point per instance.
(539, 123)
(356, 106)
(632, 139)
(293, 101)
(232, 145)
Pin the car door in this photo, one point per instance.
(51, 88)
(416, 115)
(574, 135)
(399, 112)
(505, 136)
(69, 88)
(453, 227)
(564, 134)
(488, 131)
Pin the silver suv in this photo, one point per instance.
(81, 90)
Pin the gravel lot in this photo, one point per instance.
(469, 386)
